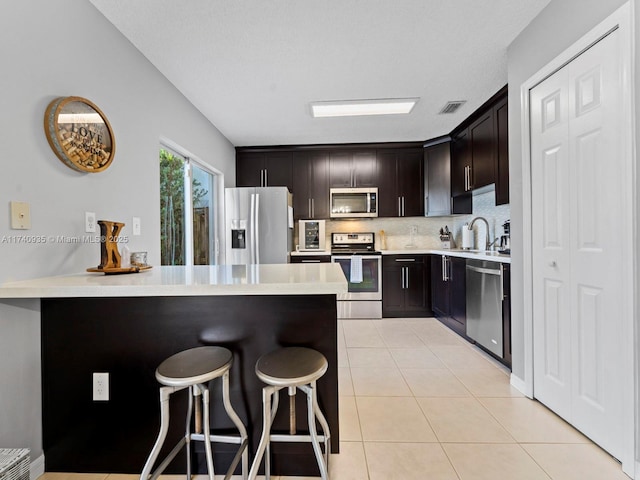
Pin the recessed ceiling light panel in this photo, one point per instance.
(352, 108)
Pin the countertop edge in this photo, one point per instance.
(325, 279)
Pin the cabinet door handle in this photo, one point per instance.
(406, 269)
(310, 261)
(465, 178)
(445, 268)
(403, 213)
(399, 207)
(313, 208)
(426, 205)
(405, 259)
(266, 179)
(309, 207)
(402, 278)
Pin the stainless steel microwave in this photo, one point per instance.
(353, 202)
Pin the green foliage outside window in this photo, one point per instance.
(172, 214)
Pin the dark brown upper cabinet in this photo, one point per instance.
(264, 169)
(501, 119)
(400, 182)
(480, 151)
(310, 185)
(483, 158)
(351, 169)
(460, 161)
(437, 178)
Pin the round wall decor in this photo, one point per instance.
(79, 134)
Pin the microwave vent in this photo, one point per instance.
(452, 107)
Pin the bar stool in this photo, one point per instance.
(291, 368)
(193, 369)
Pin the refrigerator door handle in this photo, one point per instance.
(252, 227)
(256, 243)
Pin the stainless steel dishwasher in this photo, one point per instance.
(484, 304)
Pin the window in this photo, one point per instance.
(189, 210)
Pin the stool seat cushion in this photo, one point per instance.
(193, 366)
(291, 366)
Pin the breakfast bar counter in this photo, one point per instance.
(281, 279)
(126, 325)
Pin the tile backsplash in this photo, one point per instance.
(398, 230)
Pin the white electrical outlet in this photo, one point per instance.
(90, 222)
(135, 226)
(101, 387)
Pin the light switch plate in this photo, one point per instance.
(20, 216)
(135, 226)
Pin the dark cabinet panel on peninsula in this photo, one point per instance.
(130, 336)
(405, 286)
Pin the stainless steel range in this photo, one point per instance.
(362, 265)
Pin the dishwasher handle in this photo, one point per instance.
(488, 271)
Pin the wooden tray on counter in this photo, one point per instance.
(120, 270)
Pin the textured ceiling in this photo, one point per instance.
(253, 66)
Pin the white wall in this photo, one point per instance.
(63, 48)
(557, 27)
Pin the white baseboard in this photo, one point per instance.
(36, 469)
(518, 384)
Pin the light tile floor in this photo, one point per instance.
(419, 402)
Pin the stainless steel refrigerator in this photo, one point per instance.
(258, 225)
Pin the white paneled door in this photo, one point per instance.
(577, 176)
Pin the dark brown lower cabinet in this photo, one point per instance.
(448, 291)
(310, 258)
(405, 286)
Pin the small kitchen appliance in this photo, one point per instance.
(362, 266)
(353, 202)
(311, 235)
(505, 240)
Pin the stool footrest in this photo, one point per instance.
(278, 437)
(218, 438)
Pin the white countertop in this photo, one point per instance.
(284, 279)
(476, 254)
(479, 255)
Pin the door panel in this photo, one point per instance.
(578, 178)
(590, 329)
(556, 357)
(594, 110)
(549, 171)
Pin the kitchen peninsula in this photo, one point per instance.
(127, 324)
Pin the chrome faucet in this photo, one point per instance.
(487, 244)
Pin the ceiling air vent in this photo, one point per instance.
(452, 107)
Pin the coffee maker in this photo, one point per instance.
(505, 240)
